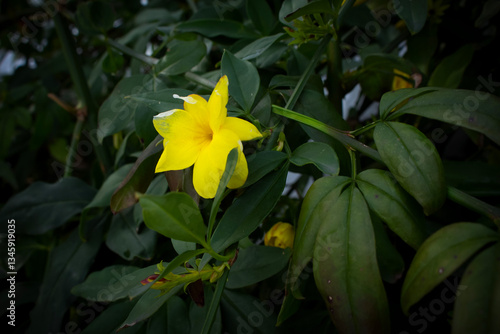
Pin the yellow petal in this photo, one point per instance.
(217, 104)
(243, 129)
(211, 163)
(197, 107)
(240, 173)
(182, 141)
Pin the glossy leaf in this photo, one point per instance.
(243, 78)
(250, 209)
(214, 27)
(67, 266)
(112, 283)
(138, 178)
(255, 264)
(390, 101)
(393, 205)
(44, 206)
(161, 100)
(319, 154)
(263, 163)
(440, 255)
(414, 162)
(174, 215)
(181, 57)
(413, 12)
(257, 47)
(317, 205)
(474, 110)
(476, 306)
(450, 70)
(344, 255)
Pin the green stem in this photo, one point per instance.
(334, 82)
(213, 212)
(217, 256)
(352, 155)
(342, 136)
(474, 204)
(214, 305)
(364, 128)
(200, 80)
(128, 51)
(77, 130)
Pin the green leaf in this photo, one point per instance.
(255, 264)
(257, 47)
(413, 12)
(113, 61)
(249, 210)
(104, 194)
(473, 110)
(117, 112)
(174, 215)
(161, 100)
(177, 316)
(439, 256)
(414, 162)
(317, 205)
(111, 318)
(319, 154)
(344, 256)
(125, 240)
(474, 177)
(393, 205)
(214, 27)
(391, 100)
(214, 310)
(67, 266)
(181, 57)
(288, 7)
(243, 313)
(95, 17)
(314, 7)
(243, 78)
(147, 305)
(263, 163)
(261, 15)
(138, 178)
(44, 206)
(112, 283)
(476, 306)
(450, 70)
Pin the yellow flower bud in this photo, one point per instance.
(280, 235)
(398, 82)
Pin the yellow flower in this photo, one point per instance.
(280, 235)
(203, 135)
(398, 82)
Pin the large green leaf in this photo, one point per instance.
(138, 178)
(344, 257)
(476, 307)
(181, 57)
(174, 215)
(413, 12)
(393, 205)
(473, 110)
(255, 264)
(450, 70)
(125, 240)
(261, 15)
(45, 206)
(390, 101)
(243, 78)
(317, 205)
(214, 27)
(161, 100)
(177, 316)
(67, 266)
(319, 154)
(112, 283)
(440, 255)
(414, 162)
(257, 47)
(111, 318)
(250, 209)
(263, 163)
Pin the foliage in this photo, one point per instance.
(380, 125)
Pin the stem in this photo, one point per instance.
(200, 80)
(216, 255)
(352, 155)
(77, 130)
(213, 213)
(139, 56)
(342, 136)
(334, 83)
(212, 311)
(364, 128)
(474, 204)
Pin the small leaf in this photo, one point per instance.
(249, 210)
(319, 154)
(414, 162)
(439, 256)
(288, 7)
(476, 306)
(181, 57)
(344, 257)
(314, 7)
(255, 264)
(413, 12)
(174, 215)
(113, 61)
(263, 163)
(214, 27)
(261, 15)
(450, 70)
(391, 100)
(393, 205)
(243, 78)
(44, 206)
(257, 47)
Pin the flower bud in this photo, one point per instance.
(280, 235)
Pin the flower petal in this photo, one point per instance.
(182, 141)
(197, 107)
(211, 163)
(243, 129)
(240, 173)
(217, 104)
